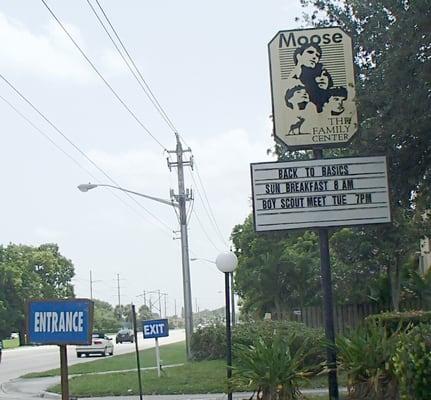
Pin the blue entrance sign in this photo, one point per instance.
(155, 328)
(60, 321)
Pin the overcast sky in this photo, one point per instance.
(207, 64)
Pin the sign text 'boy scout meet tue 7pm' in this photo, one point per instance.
(326, 192)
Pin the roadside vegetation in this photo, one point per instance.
(10, 343)
(388, 355)
(170, 354)
(207, 372)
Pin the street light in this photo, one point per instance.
(85, 187)
(232, 294)
(180, 204)
(226, 263)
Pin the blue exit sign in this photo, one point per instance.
(60, 321)
(155, 328)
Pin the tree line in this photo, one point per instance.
(42, 272)
(278, 272)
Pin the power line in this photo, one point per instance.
(212, 217)
(154, 101)
(47, 137)
(117, 96)
(142, 82)
(209, 213)
(205, 232)
(79, 150)
(145, 88)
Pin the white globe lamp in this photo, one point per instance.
(226, 262)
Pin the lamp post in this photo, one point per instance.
(184, 250)
(226, 263)
(232, 295)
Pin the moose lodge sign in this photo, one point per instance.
(313, 88)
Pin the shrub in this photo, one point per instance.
(366, 356)
(397, 321)
(210, 342)
(412, 363)
(273, 366)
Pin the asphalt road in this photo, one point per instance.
(20, 361)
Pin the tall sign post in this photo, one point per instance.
(60, 322)
(313, 107)
(138, 363)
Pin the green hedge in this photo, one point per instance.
(209, 343)
(397, 321)
(412, 363)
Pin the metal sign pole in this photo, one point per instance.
(64, 373)
(135, 331)
(328, 307)
(158, 357)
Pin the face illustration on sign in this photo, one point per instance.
(313, 87)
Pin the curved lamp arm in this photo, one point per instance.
(85, 187)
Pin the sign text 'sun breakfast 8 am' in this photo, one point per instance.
(320, 193)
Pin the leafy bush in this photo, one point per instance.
(397, 321)
(210, 342)
(412, 363)
(366, 356)
(273, 366)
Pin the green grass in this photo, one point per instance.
(192, 377)
(170, 354)
(10, 343)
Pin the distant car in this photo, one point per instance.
(14, 335)
(125, 335)
(100, 344)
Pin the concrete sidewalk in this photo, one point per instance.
(25, 389)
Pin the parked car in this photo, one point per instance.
(125, 335)
(100, 344)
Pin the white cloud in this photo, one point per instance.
(112, 63)
(50, 54)
(48, 234)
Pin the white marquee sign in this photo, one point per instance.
(320, 193)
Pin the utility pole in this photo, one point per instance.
(182, 198)
(91, 286)
(165, 295)
(92, 281)
(119, 297)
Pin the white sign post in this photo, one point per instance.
(153, 329)
(313, 87)
(320, 193)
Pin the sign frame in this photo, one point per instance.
(88, 337)
(278, 136)
(319, 226)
